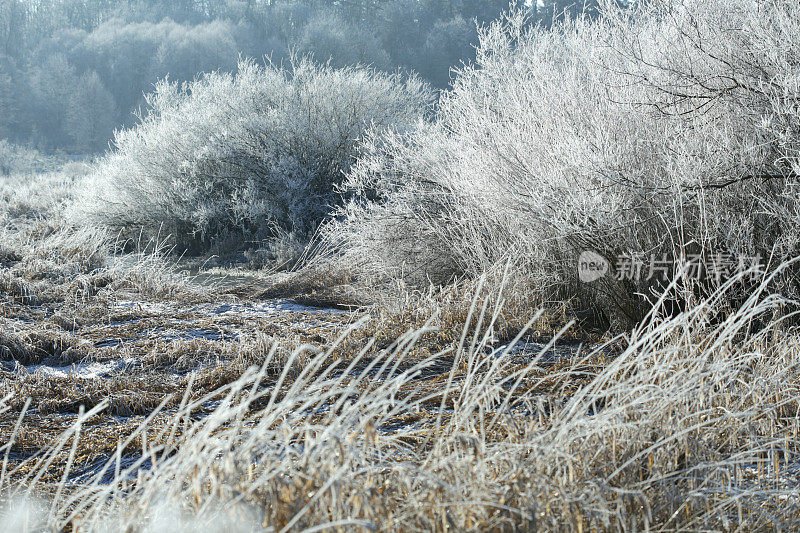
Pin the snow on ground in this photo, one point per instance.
(92, 370)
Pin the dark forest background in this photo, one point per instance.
(71, 71)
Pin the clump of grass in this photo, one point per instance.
(38, 346)
(151, 270)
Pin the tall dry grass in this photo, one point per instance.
(690, 426)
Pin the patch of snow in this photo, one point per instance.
(155, 308)
(92, 370)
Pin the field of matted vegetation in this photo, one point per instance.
(303, 298)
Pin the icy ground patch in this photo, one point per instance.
(93, 370)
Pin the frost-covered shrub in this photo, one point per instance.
(228, 160)
(672, 132)
(21, 160)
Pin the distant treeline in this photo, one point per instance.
(73, 70)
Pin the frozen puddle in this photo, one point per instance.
(248, 309)
(525, 352)
(260, 309)
(94, 370)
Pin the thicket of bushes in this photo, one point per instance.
(671, 130)
(227, 161)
